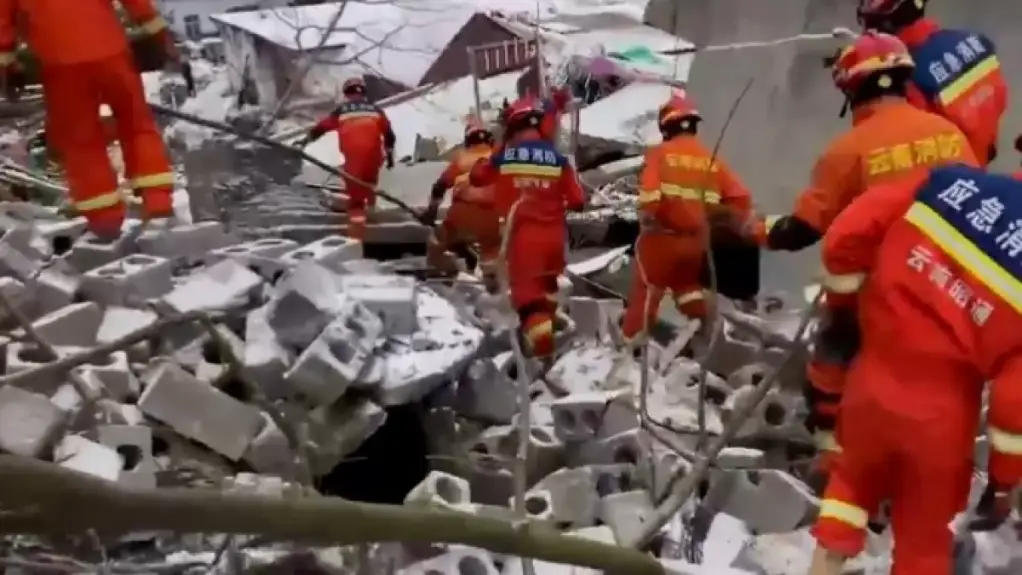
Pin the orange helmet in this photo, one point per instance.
(678, 108)
(889, 15)
(354, 85)
(523, 113)
(475, 130)
(870, 54)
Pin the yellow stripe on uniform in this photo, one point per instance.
(959, 247)
(539, 330)
(530, 170)
(1004, 442)
(153, 26)
(843, 283)
(844, 512)
(650, 196)
(152, 180)
(825, 441)
(99, 202)
(675, 191)
(689, 297)
(369, 115)
(969, 79)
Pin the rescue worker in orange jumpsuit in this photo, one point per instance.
(938, 274)
(366, 141)
(890, 141)
(957, 73)
(680, 179)
(534, 185)
(472, 220)
(552, 107)
(85, 61)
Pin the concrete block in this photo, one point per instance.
(439, 488)
(391, 297)
(134, 443)
(732, 350)
(187, 243)
(681, 383)
(86, 456)
(270, 452)
(486, 393)
(594, 415)
(780, 416)
(54, 287)
(628, 447)
(626, 512)
(571, 493)
(57, 237)
(330, 252)
(14, 261)
(217, 287)
(264, 360)
(128, 281)
(592, 367)
(337, 357)
(337, 430)
(601, 534)
(29, 423)
(90, 252)
(595, 318)
(768, 501)
(22, 357)
(363, 266)
(463, 561)
(307, 300)
(113, 373)
(261, 256)
(73, 325)
(199, 411)
(545, 452)
(18, 295)
(665, 466)
(119, 321)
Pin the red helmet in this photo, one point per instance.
(356, 84)
(679, 107)
(869, 54)
(879, 14)
(475, 129)
(523, 112)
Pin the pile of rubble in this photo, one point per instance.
(182, 354)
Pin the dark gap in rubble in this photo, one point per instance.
(703, 489)
(753, 476)
(625, 454)
(395, 251)
(131, 456)
(536, 505)
(715, 395)
(61, 244)
(237, 389)
(211, 352)
(160, 446)
(774, 413)
(387, 465)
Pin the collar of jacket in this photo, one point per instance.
(881, 106)
(918, 32)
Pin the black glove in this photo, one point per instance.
(14, 81)
(429, 215)
(390, 159)
(993, 510)
(839, 337)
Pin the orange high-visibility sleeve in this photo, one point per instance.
(833, 184)
(485, 172)
(8, 31)
(650, 182)
(853, 239)
(733, 192)
(1004, 423)
(574, 197)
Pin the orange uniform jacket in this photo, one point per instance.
(890, 141)
(945, 285)
(958, 76)
(533, 175)
(679, 179)
(456, 176)
(63, 32)
(362, 128)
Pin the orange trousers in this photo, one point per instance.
(364, 165)
(921, 465)
(664, 261)
(467, 223)
(75, 130)
(535, 259)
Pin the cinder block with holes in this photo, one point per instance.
(780, 416)
(441, 488)
(461, 561)
(73, 325)
(264, 360)
(184, 242)
(61, 235)
(112, 372)
(261, 256)
(768, 501)
(54, 287)
(485, 392)
(128, 281)
(570, 494)
(23, 357)
(307, 301)
(220, 286)
(330, 252)
(270, 452)
(18, 295)
(337, 430)
(134, 443)
(546, 452)
(86, 456)
(29, 423)
(90, 252)
(629, 447)
(594, 415)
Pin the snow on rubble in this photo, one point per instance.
(340, 341)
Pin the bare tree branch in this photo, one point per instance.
(35, 498)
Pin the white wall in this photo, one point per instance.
(176, 10)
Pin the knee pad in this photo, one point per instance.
(538, 331)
